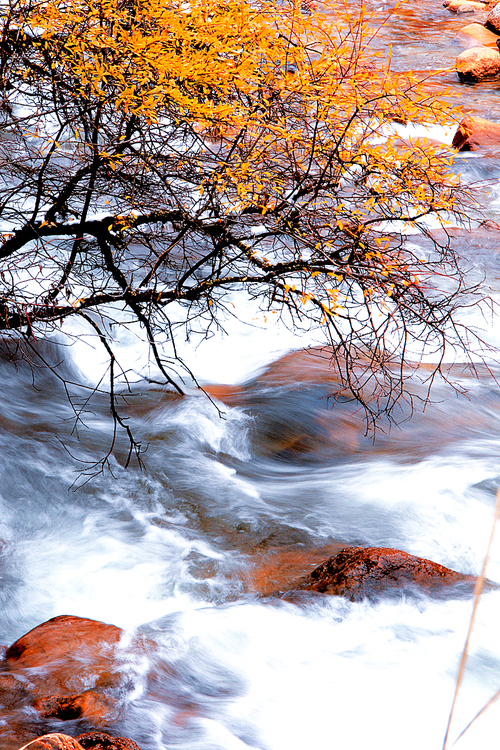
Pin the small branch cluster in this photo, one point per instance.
(153, 154)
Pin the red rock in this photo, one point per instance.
(67, 668)
(276, 569)
(476, 33)
(65, 656)
(92, 704)
(358, 572)
(478, 64)
(475, 132)
(70, 667)
(87, 741)
(464, 6)
(64, 637)
(493, 20)
(53, 742)
(102, 741)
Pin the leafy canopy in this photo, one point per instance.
(157, 154)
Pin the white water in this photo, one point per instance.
(165, 547)
(166, 550)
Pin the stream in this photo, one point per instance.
(244, 492)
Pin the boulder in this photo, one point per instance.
(63, 638)
(102, 741)
(359, 572)
(464, 6)
(94, 705)
(493, 20)
(53, 742)
(477, 34)
(478, 64)
(68, 668)
(67, 658)
(87, 741)
(474, 133)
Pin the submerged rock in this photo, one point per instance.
(474, 133)
(359, 572)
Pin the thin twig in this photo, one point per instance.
(477, 595)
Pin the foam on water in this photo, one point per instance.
(245, 342)
(338, 674)
(253, 674)
(158, 551)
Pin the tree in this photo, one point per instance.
(157, 153)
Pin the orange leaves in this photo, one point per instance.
(194, 57)
(265, 69)
(262, 115)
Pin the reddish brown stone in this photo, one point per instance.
(465, 6)
(66, 668)
(53, 742)
(477, 32)
(493, 20)
(92, 704)
(474, 133)
(102, 741)
(276, 569)
(478, 64)
(64, 637)
(358, 572)
(66, 656)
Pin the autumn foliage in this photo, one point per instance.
(158, 153)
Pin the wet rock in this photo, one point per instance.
(68, 657)
(53, 742)
(479, 35)
(67, 668)
(358, 572)
(102, 741)
(474, 133)
(478, 64)
(465, 6)
(302, 411)
(493, 20)
(65, 637)
(92, 704)
(277, 569)
(87, 741)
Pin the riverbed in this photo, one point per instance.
(242, 492)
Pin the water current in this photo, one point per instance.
(229, 506)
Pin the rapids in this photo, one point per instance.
(233, 501)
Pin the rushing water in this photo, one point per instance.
(232, 505)
(178, 550)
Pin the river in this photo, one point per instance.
(234, 501)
